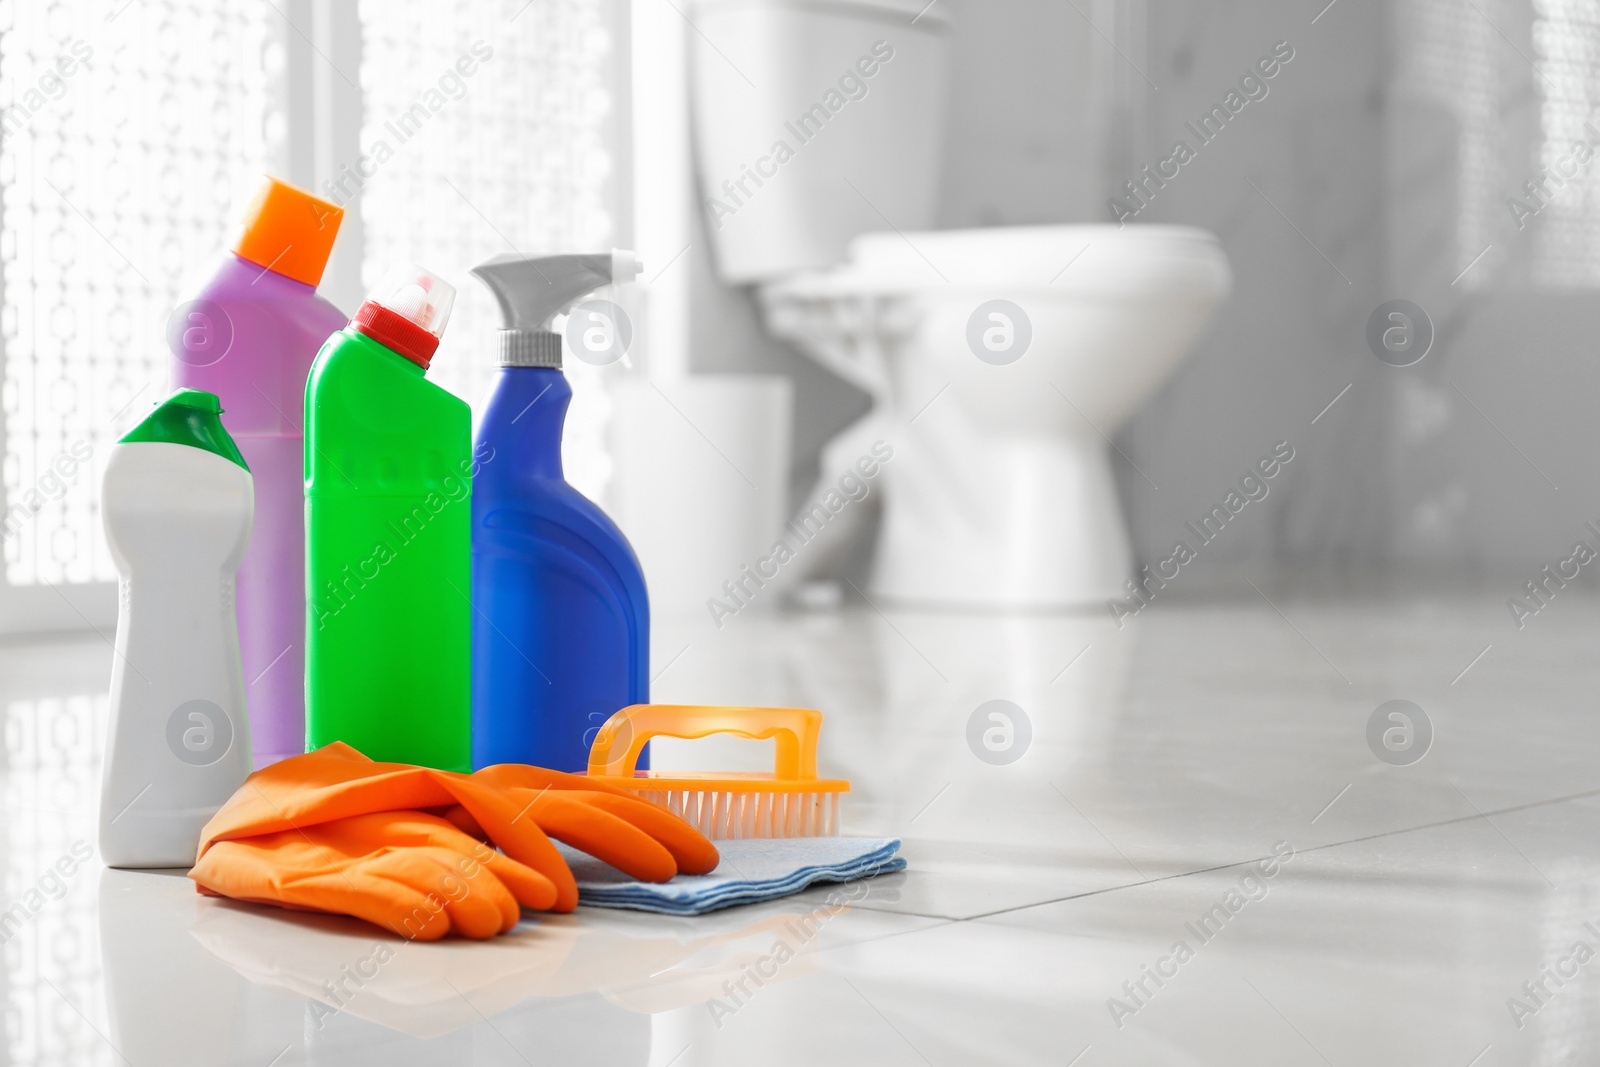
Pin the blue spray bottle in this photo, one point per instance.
(561, 627)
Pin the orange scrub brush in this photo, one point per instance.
(790, 802)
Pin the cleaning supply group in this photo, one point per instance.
(393, 603)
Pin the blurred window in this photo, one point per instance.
(1566, 41)
(451, 130)
(519, 155)
(123, 137)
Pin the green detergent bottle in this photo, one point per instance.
(388, 467)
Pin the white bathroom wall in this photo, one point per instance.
(1293, 187)
(1018, 149)
(1492, 459)
(1381, 166)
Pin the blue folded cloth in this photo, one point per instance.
(751, 870)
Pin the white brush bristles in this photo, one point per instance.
(724, 816)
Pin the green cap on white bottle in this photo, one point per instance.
(188, 417)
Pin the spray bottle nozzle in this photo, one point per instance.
(532, 290)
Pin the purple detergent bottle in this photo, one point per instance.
(249, 334)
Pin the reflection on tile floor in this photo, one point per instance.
(1447, 911)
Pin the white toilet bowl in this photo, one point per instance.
(1000, 493)
(817, 121)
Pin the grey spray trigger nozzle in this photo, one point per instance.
(532, 290)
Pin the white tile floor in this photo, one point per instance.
(1041, 917)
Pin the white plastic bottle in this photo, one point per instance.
(179, 503)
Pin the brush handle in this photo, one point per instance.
(793, 731)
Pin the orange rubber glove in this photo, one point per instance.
(517, 807)
(641, 839)
(410, 872)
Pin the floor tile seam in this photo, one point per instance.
(1510, 809)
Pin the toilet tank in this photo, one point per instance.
(814, 122)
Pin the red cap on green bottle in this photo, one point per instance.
(407, 313)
